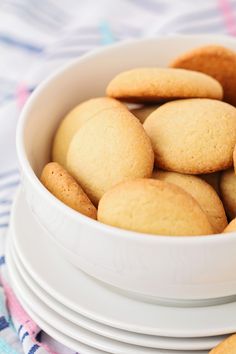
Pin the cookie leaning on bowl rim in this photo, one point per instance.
(64, 187)
(160, 84)
(216, 61)
(193, 136)
(154, 207)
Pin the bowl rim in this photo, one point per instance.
(34, 180)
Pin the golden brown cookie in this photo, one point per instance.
(110, 148)
(193, 136)
(228, 192)
(154, 207)
(228, 346)
(64, 187)
(158, 84)
(216, 61)
(143, 112)
(204, 194)
(231, 227)
(213, 179)
(74, 120)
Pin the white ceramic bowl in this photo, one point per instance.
(174, 268)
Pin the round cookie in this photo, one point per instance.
(110, 148)
(231, 227)
(158, 84)
(143, 112)
(228, 192)
(202, 192)
(154, 207)
(216, 61)
(74, 120)
(213, 179)
(193, 136)
(64, 187)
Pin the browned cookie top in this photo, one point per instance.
(216, 61)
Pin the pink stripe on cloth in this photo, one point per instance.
(228, 15)
(22, 93)
(18, 312)
(20, 315)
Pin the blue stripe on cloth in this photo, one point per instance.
(5, 201)
(2, 260)
(33, 349)
(19, 329)
(44, 19)
(26, 334)
(5, 348)
(9, 184)
(4, 226)
(9, 173)
(3, 308)
(7, 98)
(3, 323)
(4, 213)
(51, 10)
(41, 13)
(20, 44)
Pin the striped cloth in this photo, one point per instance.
(36, 37)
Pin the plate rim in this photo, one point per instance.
(21, 294)
(211, 341)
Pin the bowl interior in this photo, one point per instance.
(88, 77)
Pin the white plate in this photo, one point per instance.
(42, 323)
(90, 298)
(109, 332)
(61, 337)
(37, 309)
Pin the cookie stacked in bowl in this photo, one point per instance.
(149, 157)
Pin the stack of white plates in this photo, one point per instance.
(91, 318)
